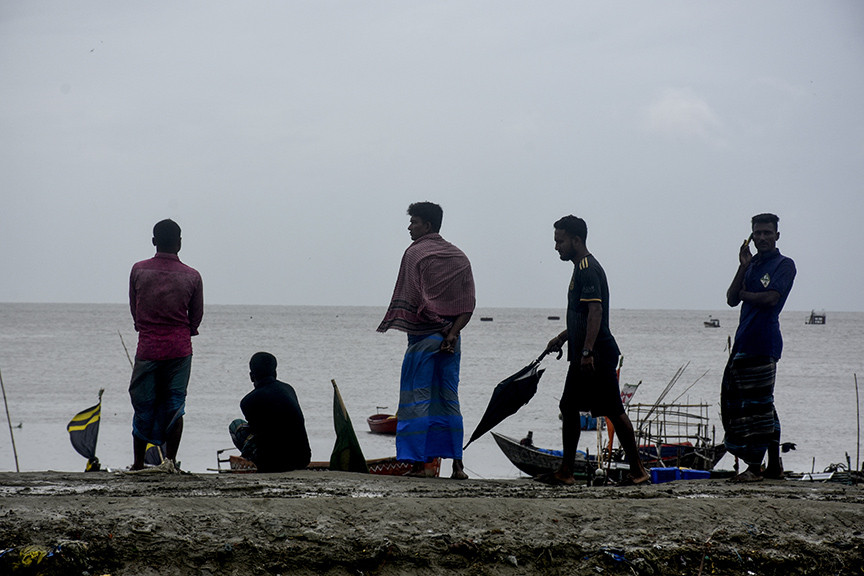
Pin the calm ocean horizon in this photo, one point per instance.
(54, 358)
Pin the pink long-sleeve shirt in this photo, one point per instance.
(166, 298)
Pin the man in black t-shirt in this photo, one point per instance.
(273, 436)
(592, 379)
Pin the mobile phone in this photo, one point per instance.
(747, 242)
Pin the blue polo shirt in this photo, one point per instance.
(759, 327)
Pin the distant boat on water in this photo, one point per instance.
(553, 317)
(382, 423)
(486, 319)
(712, 322)
(815, 318)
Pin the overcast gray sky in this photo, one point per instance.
(287, 139)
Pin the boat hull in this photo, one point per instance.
(379, 466)
(389, 466)
(535, 461)
(382, 424)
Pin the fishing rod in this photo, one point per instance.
(9, 420)
(125, 349)
(663, 394)
(689, 387)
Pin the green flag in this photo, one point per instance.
(347, 455)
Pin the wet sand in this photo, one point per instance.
(339, 523)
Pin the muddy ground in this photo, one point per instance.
(339, 523)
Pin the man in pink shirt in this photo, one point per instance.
(166, 298)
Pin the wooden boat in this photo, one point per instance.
(380, 466)
(535, 461)
(712, 322)
(669, 435)
(382, 423)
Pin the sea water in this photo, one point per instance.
(54, 358)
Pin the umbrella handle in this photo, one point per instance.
(545, 352)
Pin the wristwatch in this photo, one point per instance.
(587, 353)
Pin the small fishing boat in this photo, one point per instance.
(668, 435)
(535, 461)
(382, 424)
(816, 318)
(712, 322)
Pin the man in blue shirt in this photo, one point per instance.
(761, 285)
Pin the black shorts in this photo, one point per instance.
(591, 390)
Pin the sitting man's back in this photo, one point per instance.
(274, 436)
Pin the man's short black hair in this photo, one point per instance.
(166, 234)
(574, 227)
(766, 218)
(262, 364)
(428, 212)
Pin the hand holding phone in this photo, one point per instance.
(744, 254)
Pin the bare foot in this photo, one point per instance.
(774, 470)
(774, 474)
(746, 477)
(418, 470)
(640, 481)
(458, 471)
(555, 479)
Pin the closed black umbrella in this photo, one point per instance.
(510, 395)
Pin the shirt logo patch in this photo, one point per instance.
(766, 280)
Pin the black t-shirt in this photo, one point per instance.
(587, 285)
(277, 423)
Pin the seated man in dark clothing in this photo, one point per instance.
(273, 436)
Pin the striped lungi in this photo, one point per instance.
(747, 404)
(429, 422)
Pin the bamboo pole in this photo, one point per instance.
(858, 413)
(9, 420)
